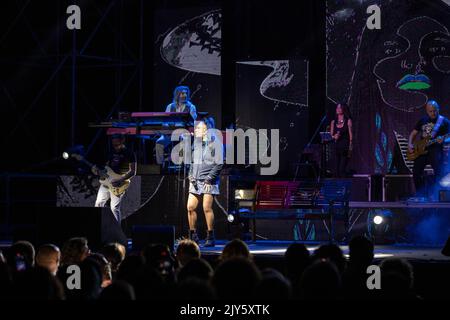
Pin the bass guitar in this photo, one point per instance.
(107, 176)
(420, 146)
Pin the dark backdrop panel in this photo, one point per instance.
(274, 95)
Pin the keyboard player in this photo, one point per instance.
(181, 103)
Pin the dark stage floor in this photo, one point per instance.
(276, 249)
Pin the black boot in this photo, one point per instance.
(210, 239)
(193, 236)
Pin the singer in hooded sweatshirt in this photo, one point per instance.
(204, 172)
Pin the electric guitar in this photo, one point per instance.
(107, 176)
(420, 147)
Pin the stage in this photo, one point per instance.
(160, 200)
(277, 249)
(431, 277)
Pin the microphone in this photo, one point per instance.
(194, 183)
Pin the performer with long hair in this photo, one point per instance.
(341, 131)
(181, 103)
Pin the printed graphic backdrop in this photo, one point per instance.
(187, 51)
(367, 68)
(274, 95)
(81, 191)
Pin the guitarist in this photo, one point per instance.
(432, 126)
(122, 161)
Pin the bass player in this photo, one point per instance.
(433, 126)
(123, 162)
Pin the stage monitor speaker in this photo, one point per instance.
(397, 187)
(98, 225)
(376, 187)
(148, 169)
(361, 187)
(143, 235)
(446, 250)
(444, 195)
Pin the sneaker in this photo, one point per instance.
(209, 243)
(194, 236)
(210, 240)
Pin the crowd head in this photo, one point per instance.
(157, 273)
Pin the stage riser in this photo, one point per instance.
(56, 225)
(167, 207)
(415, 226)
(32, 195)
(381, 188)
(408, 226)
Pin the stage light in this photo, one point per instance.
(244, 194)
(78, 149)
(244, 198)
(380, 226)
(378, 219)
(445, 181)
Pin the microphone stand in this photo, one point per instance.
(308, 145)
(186, 162)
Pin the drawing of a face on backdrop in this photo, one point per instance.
(416, 67)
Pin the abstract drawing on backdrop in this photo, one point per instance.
(386, 76)
(188, 52)
(81, 191)
(274, 95)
